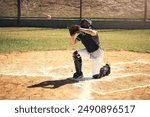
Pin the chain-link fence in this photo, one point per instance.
(148, 9)
(73, 9)
(54, 8)
(8, 8)
(128, 9)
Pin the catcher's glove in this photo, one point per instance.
(74, 29)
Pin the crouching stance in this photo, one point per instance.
(92, 50)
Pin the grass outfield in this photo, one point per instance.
(40, 39)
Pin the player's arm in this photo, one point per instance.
(74, 31)
(88, 31)
(73, 40)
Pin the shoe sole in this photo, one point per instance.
(77, 79)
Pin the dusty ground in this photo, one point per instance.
(43, 75)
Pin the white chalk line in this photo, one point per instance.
(89, 90)
(86, 88)
(121, 90)
(110, 78)
(131, 62)
(52, 75)
(48, 72)
(85, 93)
(115, 91)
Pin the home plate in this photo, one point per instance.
(82, 79)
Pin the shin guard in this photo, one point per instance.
(77, 62)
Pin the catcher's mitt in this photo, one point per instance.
(74, 29)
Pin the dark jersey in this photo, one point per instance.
(91, 43)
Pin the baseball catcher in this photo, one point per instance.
(92, 50)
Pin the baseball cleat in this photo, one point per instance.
(78, 75)
(97, 76)
(104, 71)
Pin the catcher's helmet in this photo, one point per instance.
(85, 23)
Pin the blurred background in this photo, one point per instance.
(75, 9)
(97, 9)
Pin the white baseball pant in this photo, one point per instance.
(95, 57)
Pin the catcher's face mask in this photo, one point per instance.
(86, 23)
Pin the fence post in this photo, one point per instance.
(145, 11)
(80, 10)
(18, 11)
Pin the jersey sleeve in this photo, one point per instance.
(79, 37)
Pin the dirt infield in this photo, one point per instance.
(43, 75)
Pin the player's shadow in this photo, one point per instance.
(52, 84)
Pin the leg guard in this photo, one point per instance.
(77, 62)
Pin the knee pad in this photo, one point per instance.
(76, 56)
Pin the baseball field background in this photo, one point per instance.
(36, 62)
(130, 9)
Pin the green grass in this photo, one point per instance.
(41, 39)
(130, 40)
(32, 39)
